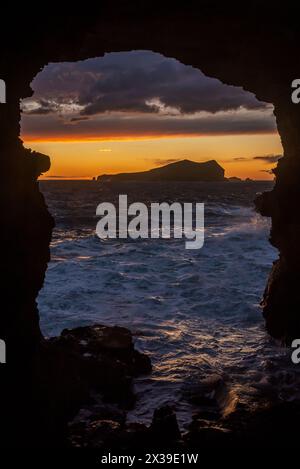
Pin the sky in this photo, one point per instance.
(132, 111)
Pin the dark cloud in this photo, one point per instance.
(117, 126)
(64, 177)
(162, 162)
(41, 106)
(268, 171)
(138, 81)
(78, 119)
(268, 159)
(57, 177)
(240, 159)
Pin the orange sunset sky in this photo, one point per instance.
(138, 110)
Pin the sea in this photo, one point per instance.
(196, 313)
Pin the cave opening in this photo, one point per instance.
(235, 45)
(193, 313)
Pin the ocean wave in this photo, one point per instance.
(194, 312)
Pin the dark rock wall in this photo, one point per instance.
(235, 44)
(281, 302)
(25, 232)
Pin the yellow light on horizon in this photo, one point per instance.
(88, 158)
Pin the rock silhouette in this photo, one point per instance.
(184, 170)
(247, 44)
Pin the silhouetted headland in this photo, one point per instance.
(184, 170)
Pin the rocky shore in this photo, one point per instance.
(78, 390)
(104, 365)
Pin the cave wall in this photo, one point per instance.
(281, 301)
(250, 45)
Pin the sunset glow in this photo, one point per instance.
(85, 159)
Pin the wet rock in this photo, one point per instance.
(63, 377)
(107, 341)
(98, 338)
(135, 437)
(204, 433)
(164, 426)
(99, 410)
(96, 434)
(103, 426)
(91, 430)
(210, 414)
(206, 391)
(213, 397)
(108, 359)
(96, 424)
(272, 426)
(102, 433)
(109, 435)
(282, 294)
(264, 204)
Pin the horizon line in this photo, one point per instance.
(90, 178)
(120, 138)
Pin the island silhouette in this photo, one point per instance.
(183, 170)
